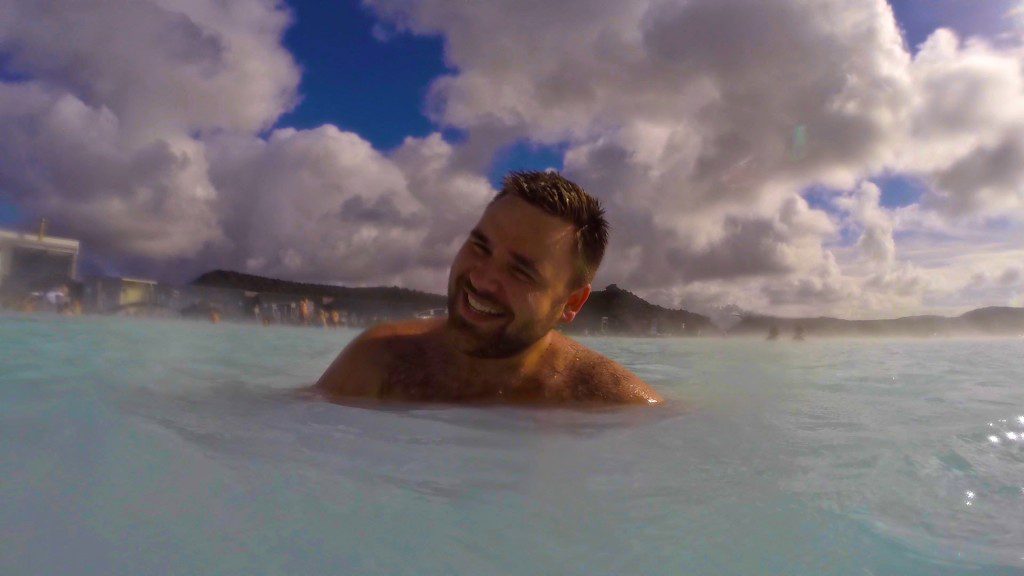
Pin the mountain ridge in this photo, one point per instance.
(990, 320)
(612, 310)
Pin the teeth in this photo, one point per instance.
(481, 307)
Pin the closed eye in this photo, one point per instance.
(480, 247)
(525, 268)
(479, 242)
(523, 274)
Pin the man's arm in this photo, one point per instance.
(361, 368)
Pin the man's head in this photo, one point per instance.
(527, 264)
(564, 199)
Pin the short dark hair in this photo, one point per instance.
(560, 197)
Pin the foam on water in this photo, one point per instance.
(174, 448)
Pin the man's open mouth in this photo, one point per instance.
(481, 307)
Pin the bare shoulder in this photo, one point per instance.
(595, 377)
(364, 365)
(381, 332)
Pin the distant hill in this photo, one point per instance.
(626, 312)
(617, 311)
(391, 301)
(995, 320)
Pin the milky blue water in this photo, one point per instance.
(134, 447)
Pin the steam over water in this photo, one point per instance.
(131, 447)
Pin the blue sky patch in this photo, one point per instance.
(374, 88)
(10, 215)
(7, 71)
(900, 190)
(820, 197)
(919, 18)
(524, 155)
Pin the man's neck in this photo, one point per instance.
(504, 373)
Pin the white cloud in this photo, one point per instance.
(325, 205)
(141, 127)
(967, 130)
(315, 200)
(159, 66)
(874, 222)
(137, 128)
(64, 159)
(100, 137)
(700, 122)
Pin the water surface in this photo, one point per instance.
(134, 447)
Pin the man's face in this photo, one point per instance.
(511, 280)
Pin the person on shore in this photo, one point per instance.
(525, 268)
(57, 298)
(305, 311)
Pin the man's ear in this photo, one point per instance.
(576, 301)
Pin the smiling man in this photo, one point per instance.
(525, 268)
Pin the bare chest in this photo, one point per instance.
(425, 375)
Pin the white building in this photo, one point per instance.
(35, 262)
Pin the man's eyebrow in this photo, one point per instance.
(479, 236)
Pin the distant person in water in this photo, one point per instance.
(526, 267)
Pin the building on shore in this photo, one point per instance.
(34, 263)
(39, 273)
(148, 298)
(107, 294)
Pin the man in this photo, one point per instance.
(525, 268)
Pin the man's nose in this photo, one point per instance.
(484, 278)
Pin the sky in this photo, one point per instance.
(854, 158)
